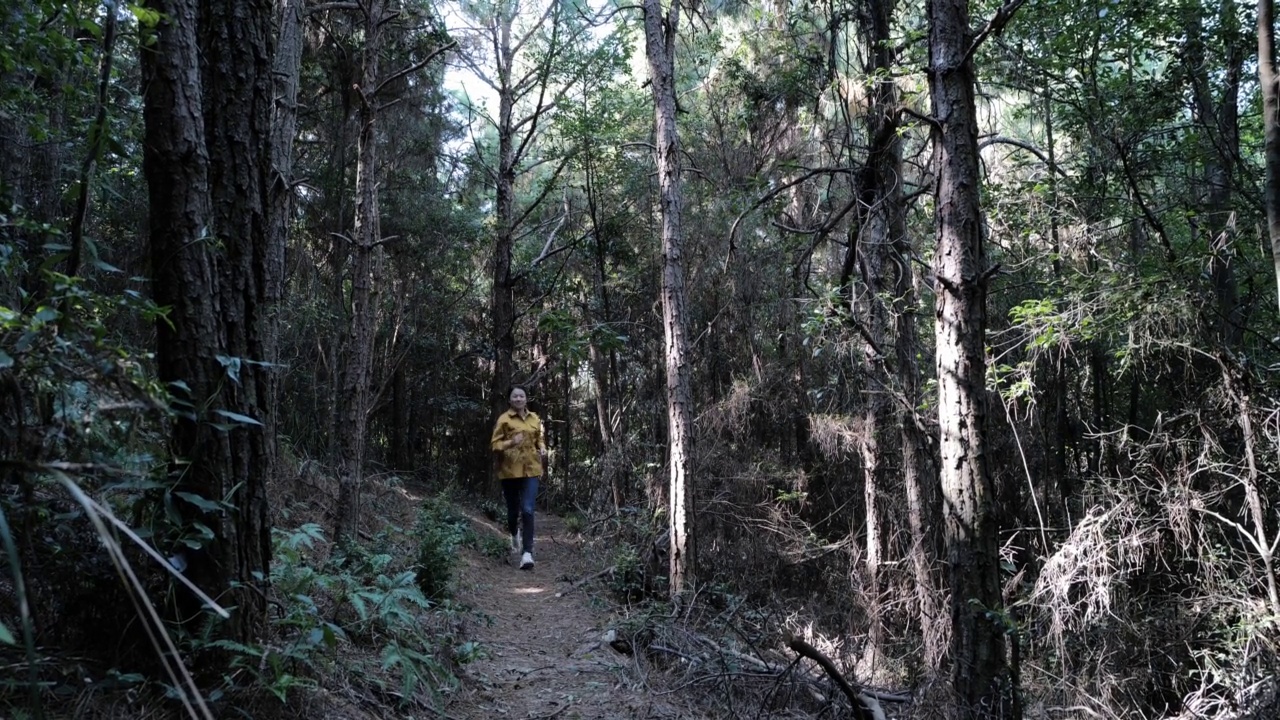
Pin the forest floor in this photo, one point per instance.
(542, 648)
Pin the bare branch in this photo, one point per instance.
(414, 67)
(324, 7)
(733, 229)
(995, 26)
(1002, 140)
(862, 705)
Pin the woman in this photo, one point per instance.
(522, 451)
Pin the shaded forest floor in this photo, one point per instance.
(541, 647)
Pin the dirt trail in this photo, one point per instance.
(543, 656)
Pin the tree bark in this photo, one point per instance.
(97, 141)
(979, 673)
(890, 240)
(358, 370)
(1270, 82)
(207, 103)
(502, 311)
(280, 193)
(660, 44)
(1218, 123)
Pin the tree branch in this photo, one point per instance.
(733, 229)
(414, 67)
(864, 708)
(995, 26)
(1002, 140)
(322, 7)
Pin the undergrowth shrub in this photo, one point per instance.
(440, 530)
(360, 609)
(492, 510)
(81, 416)
(634, 544)
(575, 522)
(492, 546)
(627, 579)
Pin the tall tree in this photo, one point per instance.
(358, 368)
(1217, 122)
(660, 29)
(527, 43)
(365, 243)
(206, 69)
(97, 143)
(1269, 79)
(889, 278)
(979, 673)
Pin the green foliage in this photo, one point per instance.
(358, 599)
(575, 522)
(440, 530)
(469, 652)
(75, 393)
(492, 546)
(492, 510)
(627, 579)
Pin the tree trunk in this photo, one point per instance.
(598, 359)
(1270, 82)
(979, 673)
(357, 372)
(1058, 434)
(401, 447)
(207, 102)
(1218, 121)
(502, 310)
(238, 58)
(660, 46)
(280, 184)
(890, 241)
(97, 141)
(176, 166)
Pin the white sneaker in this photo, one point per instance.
(515, 542)
(526, 561)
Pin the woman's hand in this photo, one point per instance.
(516, 440)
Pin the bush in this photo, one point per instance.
(492, 546)
(440, 530)
(575, 522)
(361, 597)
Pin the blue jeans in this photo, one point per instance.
(520, 494)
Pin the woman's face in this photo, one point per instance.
(517, 399)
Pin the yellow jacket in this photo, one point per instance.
(525, 459)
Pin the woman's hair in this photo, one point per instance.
(514, 388)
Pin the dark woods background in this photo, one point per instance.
(261, 272)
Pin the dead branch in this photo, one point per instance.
(864, 707)
(584, 580)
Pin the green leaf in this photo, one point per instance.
(6, 361)
(331, 635)
(116, 148)
(237, 417)
(6, 635)
(202, 503)
(232, 364)
(92, 28)
(147, 18)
